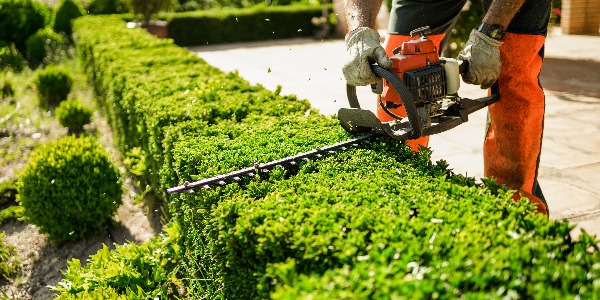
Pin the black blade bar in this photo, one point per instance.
(224, 179)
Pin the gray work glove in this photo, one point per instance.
(483, 54)
(363, 49)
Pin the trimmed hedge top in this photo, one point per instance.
(377, 221)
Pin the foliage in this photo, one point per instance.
(8, 192)
(9, 264)
(7, 89)
(107, 7)
(375, 221)
(53, 85)
(73, 115)
(11, 58)
(70, 188)
(191, 5)
(130, 271)
(65, 13)
(229, 25)
(12, 213)
(148, 8)
(21, 18)
(555, 14)
(188, 87)
(467, 21)
(10, 210)
(319, 230)
(45, 47)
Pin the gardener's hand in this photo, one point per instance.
(483, 54)
(363, 49)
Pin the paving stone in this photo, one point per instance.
(567, 201)
(560, 153)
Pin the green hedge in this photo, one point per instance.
(146, 84)
(377, 221)
(238, 25)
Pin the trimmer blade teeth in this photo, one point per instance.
(266, 168)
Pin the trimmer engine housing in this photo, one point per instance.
(417, 95)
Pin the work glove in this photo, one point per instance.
(363, 49)
(483, 54)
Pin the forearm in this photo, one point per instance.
(501, 12)
(362, 13)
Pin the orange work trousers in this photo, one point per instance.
(513, 137)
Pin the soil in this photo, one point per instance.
(42, 260)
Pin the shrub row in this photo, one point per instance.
(238, 25)
(378, 221)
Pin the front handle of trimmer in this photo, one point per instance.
(401, 89)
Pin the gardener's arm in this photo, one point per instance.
(501, 12)
(362, 43)
(362, 13)
(482, 51)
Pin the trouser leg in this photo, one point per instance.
(513, 140)
(514, 136)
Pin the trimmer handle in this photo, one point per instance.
(463, 66)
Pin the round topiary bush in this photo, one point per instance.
(21, 18)
(7, 90)
(67, 11)
(45, 47)
(70, 188)
(73, 115)
(11, 58)
(53, 85)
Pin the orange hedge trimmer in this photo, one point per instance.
(420, 81)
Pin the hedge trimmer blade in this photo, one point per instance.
(236, 176)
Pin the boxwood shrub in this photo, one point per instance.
(65, 13)
(45, 47)
(236, 25)
(53, 85)
(73, 115)
(70, 188)
(11, 58)
(21, 18)
(376, 221)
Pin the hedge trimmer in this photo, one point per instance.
(420, 81)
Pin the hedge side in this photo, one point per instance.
(238, 25)
(376, 221)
